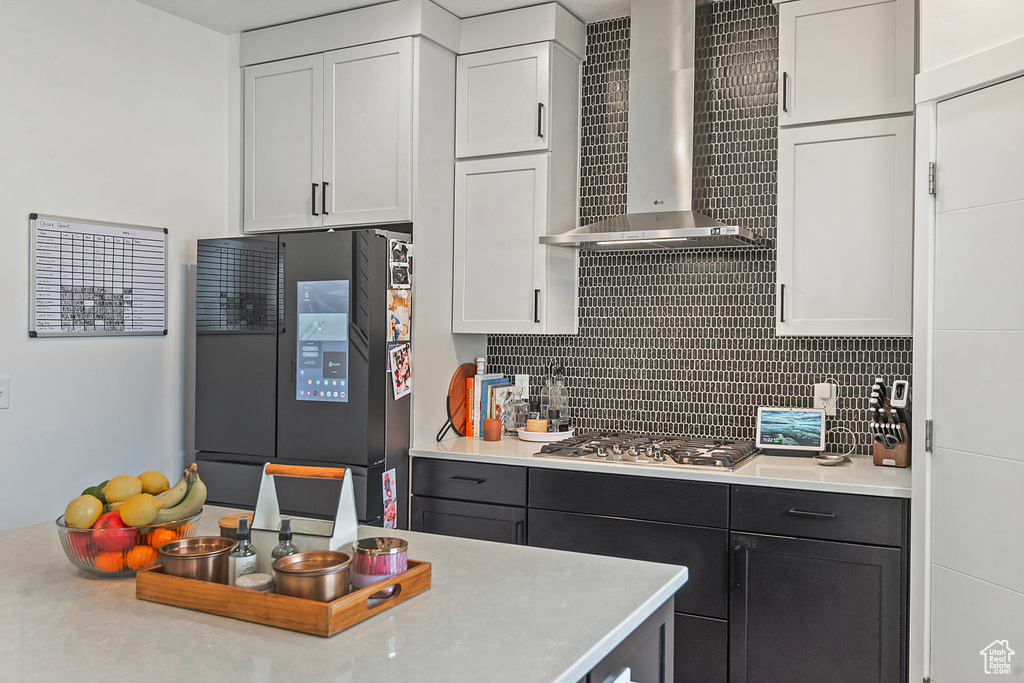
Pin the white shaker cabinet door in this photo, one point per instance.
(500, 214)
(283, 144)
(844, 59)
(502, 101)
(845, 229)
(368, 134)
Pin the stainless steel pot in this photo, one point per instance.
(314, 575)
(204, 558)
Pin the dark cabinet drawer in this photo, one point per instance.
(499, 523)
(816, 514)
(615, 495)
(498, 484)
(703, 551)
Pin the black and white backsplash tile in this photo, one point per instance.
(684, 342)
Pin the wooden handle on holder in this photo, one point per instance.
(306, 472)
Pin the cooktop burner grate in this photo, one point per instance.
(654, 450)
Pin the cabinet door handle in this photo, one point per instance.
(785, 82)
(315, 185)
(810, 513)
(467, 480)
(734, 562)
(540, 119)
(536, 305)
(782, 303)
(323, 198)
(519, 534)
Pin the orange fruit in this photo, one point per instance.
(110, 561)
(141, 557)
(160, 536)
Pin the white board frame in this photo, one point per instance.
(33, 332)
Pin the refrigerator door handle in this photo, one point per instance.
(293, 370)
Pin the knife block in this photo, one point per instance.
(897, 456)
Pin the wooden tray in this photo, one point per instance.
(283, 611)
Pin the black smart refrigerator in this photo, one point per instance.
(294, 336)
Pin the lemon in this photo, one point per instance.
(140, 509)
(154, 482)
(121, 488)
(83, 512)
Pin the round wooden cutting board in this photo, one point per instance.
(457, 397)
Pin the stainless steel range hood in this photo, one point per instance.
(660, 153)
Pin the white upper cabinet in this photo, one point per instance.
(843, 59)
(328, 139)
(505, 281)
(368, 134)
(283, 143)
(503, 104)
(845, 228)
(500, 213)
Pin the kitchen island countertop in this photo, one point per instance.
(494, 612)
(858, 475)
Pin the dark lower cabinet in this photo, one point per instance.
(701, 649)
(501, 523)
(810, 610)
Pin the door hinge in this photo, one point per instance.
(931, 177)
(928, 436)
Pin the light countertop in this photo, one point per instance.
(494, 612)
(858, 475)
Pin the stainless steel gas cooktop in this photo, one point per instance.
(654, 451)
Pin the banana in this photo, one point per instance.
(176, 493)
(189, 505)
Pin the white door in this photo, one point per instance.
(502, 101)
(283, 144)
(843, 59)
(977, 368)
(845, 228)
(368, 135)
(500, 214)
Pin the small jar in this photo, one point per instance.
(264, 583)
(377, 559)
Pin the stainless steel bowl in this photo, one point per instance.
(204, 558)
(829, 459)
(314, 575)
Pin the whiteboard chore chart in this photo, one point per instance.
(92, 278)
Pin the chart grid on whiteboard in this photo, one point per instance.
(96, 278)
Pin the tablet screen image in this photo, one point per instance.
(791, 429)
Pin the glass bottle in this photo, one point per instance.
(284, 541)
(517, 412)
(242, 559)
(545, 392)
(560, 398)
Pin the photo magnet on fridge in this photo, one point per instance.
(399, 251)
(390, 499)
(399, 314)
(399, 275)
(401, 370)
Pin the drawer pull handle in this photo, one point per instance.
(811, 513)
(468, 480)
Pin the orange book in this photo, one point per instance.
(469, 406)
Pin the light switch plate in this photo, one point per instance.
(5, 392)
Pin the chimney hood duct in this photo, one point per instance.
(660, 150)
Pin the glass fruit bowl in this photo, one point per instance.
(115, 552)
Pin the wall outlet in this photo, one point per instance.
(826, 395)
(5, 392)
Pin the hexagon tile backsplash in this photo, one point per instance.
(684, 342)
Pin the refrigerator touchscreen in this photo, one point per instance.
(322, 348)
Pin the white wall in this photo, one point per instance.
(111, 110)
(954, 29)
